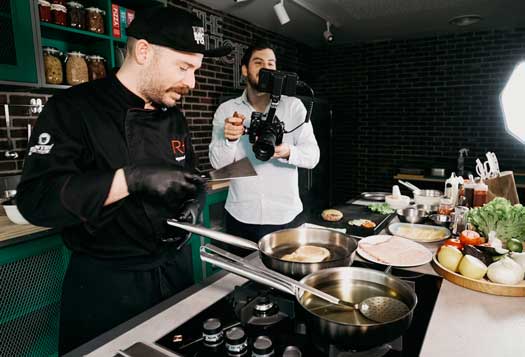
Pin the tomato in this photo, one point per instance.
(471, 237)
(454, 243)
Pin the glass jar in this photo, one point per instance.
(480, 195)
(44, 10)
(460, 220)
(59, 14)
(53, 66)
(446, 206)
(76, 68)
(77, 18)
(95, 19)
(96, 67)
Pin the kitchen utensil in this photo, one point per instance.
(412, 215)
(400, 202)
(273, 246)
(427, 197)
(439, 172)
(237, 169)
(419, 232)
(376, 308)
(349, 329)
(400, 260)
(14, 214)
(440, 219)
(428, 208)
(374, 196)
(410, 186)
(482, 169)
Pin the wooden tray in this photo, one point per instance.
(483, 286)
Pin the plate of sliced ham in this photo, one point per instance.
(394, 251)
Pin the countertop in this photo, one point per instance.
(11, 233)
(463, 323)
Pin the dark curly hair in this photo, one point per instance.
(258, 45)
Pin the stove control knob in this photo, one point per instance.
(262, 347)
(264, 306)
(292, 351)
(212, 334)
(236, 342)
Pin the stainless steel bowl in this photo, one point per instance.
(412, 215)
(428, 208)
(440, 219)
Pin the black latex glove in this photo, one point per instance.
(189, 212)
(164, 182)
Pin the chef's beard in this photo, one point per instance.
(154, 90)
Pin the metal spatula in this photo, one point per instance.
(375, 308)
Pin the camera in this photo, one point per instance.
(266, 130)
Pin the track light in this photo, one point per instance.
(281, 13)
(328, 35)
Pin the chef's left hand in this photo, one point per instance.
(282, 151)
(189, 212)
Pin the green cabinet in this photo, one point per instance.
(17, 43)
(22, 36)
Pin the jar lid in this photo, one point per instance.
(51, 50)
(44, 3)
(96, 9)
(58, 7)
(95, 58)
(75, 4)
(76, 53)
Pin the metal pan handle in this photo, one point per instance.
(222, 237)
(292, 284)
(244, 271)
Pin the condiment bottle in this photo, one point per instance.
(480, 194)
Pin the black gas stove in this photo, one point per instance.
(255, 320)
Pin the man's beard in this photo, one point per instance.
(155, 93)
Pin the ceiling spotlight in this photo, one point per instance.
(328, 35)
(281, 13)
(464, 20)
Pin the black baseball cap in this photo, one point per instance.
(174, 28)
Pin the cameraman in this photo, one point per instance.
(270, 201)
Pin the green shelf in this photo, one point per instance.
(68, 33)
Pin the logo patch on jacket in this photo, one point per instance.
(179, 149)
(43, 147)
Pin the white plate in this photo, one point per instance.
(399, 229)
(424, 258)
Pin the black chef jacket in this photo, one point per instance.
(81, 138)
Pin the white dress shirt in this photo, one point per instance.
(271, 197)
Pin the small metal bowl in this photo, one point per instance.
(412, 215)
(428, 208)
(440, 219)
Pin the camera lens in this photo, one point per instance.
(264, 147)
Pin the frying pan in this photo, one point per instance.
(344, 328)
(274, 245)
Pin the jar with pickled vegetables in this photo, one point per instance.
(59, 14)
(44, 10)
(96, 67)
(95, 19)
(76, 68)
(77, 18)
(53, 66)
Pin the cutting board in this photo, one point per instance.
(351, 212)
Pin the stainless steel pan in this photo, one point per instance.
(273, 246)
(332, 323)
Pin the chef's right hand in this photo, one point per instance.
(162, 182)
(233, 126)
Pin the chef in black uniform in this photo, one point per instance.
(108, 162)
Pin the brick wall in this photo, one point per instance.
(214, 80)
(415, 103)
